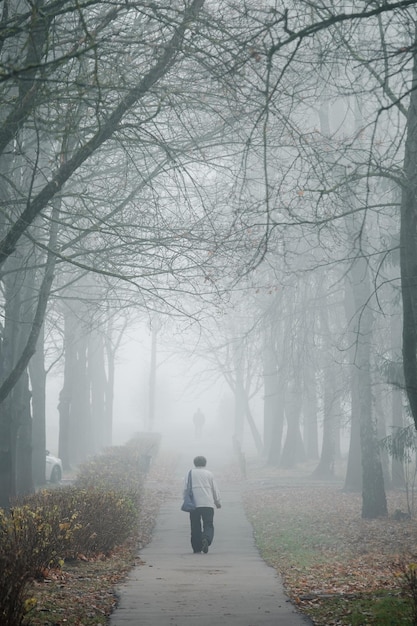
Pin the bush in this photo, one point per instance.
(120, 468)
(105, 519)
(82, 521)
(14, 574)
(409, 586)
(116, 469)
(98, 513)
(56, 521)
(26, 548)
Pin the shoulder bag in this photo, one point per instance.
(188, 505)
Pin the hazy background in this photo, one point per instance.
(184, 383)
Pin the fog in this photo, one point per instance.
(211, 206)
(184, 384)
(180, 389)
(236, 183)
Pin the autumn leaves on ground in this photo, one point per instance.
(336, 567)
(87, 584)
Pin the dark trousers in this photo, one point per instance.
(201, 526)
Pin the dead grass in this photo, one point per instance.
(314, 536)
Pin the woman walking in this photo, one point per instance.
(206, 497)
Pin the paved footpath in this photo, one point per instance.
(230, 586)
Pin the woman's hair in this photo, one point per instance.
(200, 461)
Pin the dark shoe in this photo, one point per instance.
(205, 546)
(197, 551)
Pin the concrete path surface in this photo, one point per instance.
(230, 585)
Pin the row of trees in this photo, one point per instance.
(100, 125)
(337, 208)
(152, 155)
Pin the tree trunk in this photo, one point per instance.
(353, 479)
(274, 454)
(98, 379)
(271, 397)
(280, 329)
(67, 391)
(310, 411)
(325, 467)
(22, 417)
(408, 248)
(239, 392)
(109, 396)
(15, 416)
(397, 395)
(374, 502)
(253, 428)
(7, 477)
(381, 429)
(80, 435)
(293, 451)
(38, 384)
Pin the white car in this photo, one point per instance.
(53, 468)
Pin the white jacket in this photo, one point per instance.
(204, 487)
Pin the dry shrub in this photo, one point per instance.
(116, 469)
(14, 572)
(83, 521)
(409, 586)
(105, 519)
(52, 526)
(26, 548)
(120, 468)
(98, 513)
(57, 521)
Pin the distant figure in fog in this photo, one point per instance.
(206, 496)
(199, 420)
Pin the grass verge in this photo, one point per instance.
(336, 567)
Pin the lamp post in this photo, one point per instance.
(155, 327)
